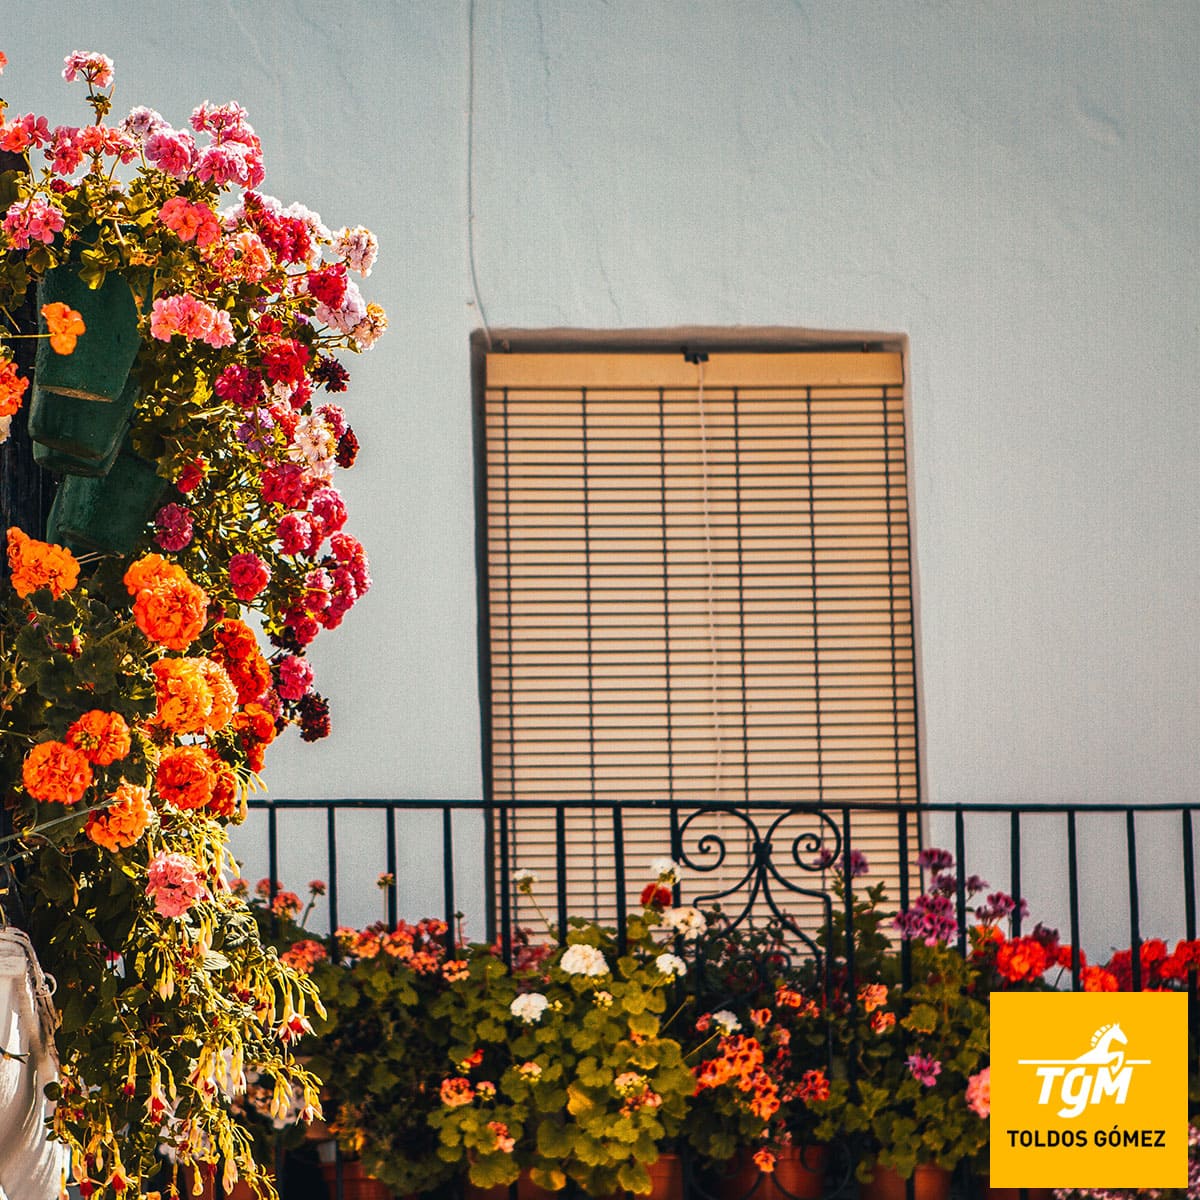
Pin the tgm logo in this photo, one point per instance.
(1103, 1070)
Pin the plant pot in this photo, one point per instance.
(356, 1183)
(99, 366)
(108, 514)
(666, 1177)
(930, 1182)
(78, 436)
(799, 1172)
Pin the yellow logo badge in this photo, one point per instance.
(1089, 1090)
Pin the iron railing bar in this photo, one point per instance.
(1135, 932)
(924, 806)
(331, 853)
(1073, 890)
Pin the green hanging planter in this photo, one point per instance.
(61, 463)
(99, 366)
(73, 429)
(107, 514)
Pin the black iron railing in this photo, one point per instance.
(1107, 876)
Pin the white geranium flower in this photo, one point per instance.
(726, 1022)
(687, 921)
(583, 960)
(671, 965)
(666, 870)
(525, 879)
(529, 1007)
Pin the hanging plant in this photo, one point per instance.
(136, 702)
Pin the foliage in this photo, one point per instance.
(381, 1050)
(565, 1066)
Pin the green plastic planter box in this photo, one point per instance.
(106, 514)
(77, 436)
(99, 367)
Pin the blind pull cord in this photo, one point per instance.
(710, 568)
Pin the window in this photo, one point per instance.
(698, 587)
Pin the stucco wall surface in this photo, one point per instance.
(1012, 186)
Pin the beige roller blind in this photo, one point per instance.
(699, 588)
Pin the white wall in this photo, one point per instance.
(1013, 186)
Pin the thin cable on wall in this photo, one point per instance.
(478, 300)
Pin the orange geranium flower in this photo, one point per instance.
(169, 609)
(12, 387)
(185, 777)
(124, 821)
(57, 772)
(37, 565)
(226, 795)
(184, 697)
(255, 727)
(237, 651)
(102, 737)
(65, 325)
(224, 694)
(149, 571)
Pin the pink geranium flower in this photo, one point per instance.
(93, 68)
(979, 1093)
(175, 883)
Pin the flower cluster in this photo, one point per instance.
(248, 303)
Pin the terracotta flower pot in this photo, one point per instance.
(108, 514)
(929, 1183)
(666, 1177)
(99, 366)
(356, 1183)
(78, 436)
(799, 1172)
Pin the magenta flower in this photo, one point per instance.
(935, 860)
(295, 676)
(173, 527)
(248, 575)
(925, 1070)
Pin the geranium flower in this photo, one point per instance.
(670, 965)
(93, 68)
(358, 247)
(55, 772)
(174, 882)
(456, 1092)
(979, 1093)
(666, 870)
(34, 565)
(924, 1069)
(579, 959)
(529, 1007)
(726, 1022)
(102, 737)
(248, 576)
(185, 777)
(173, 527)
(12, 388)
(123, 821)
